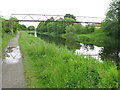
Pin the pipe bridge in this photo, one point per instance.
(45, 17)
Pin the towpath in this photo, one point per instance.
(12, 66)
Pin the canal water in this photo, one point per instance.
(101, 53)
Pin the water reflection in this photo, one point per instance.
(12, 55)
(89, 50)
(71, 45)
(35, 34)
(119, 54)
(107, 51)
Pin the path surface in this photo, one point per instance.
(12, 66)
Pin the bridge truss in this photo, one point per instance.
(45, 17)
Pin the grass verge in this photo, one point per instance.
(5, 39)
(47, 66)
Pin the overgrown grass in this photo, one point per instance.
(47, 66)
(5, 39)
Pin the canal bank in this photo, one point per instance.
(101, 50)
(51, 66)
(12, 65)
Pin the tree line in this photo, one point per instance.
(62, 27)
(13, 27)
(110, 25)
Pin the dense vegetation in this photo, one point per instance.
(111, 24)
(31, 28)
(49, 66)
(63, 28)
(22, 27)
(8, 31)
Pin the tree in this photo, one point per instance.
(111, 23)
(54, 27)
(5, 26)
(22, 27)
(30, 28)
(70, 16)
(75, 28)
(15, 25)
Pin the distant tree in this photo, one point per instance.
(88, 29)
(30, 28)
(15, 25)
(10, 27)
(42, 27)
(56, 27)
(75, 28)
(59, 27)
(91, 28)
(111, 23)
(70, 16)
(5, 26)
(22, 27)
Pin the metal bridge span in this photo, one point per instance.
(45, 17)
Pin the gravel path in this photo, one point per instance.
(12, 66)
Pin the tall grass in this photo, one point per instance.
(5, 39)
(47, 66)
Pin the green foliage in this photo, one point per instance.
(6, 37)
(88, 29)
(74, 28)
(5, 26)
(30, 28)
(111, 24)
(54, 27)
(8, 30)
(58, 28)
(98, 37)
(15, 25)
(70, 16)
(22, 27)
(10, 27)
(47, 66)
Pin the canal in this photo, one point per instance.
(101, 53)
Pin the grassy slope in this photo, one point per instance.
(47, 66)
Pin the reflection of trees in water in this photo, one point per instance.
(111, 52)
(88, 46)
(57, 40)
(71, 45)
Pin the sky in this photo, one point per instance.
(93, 8)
